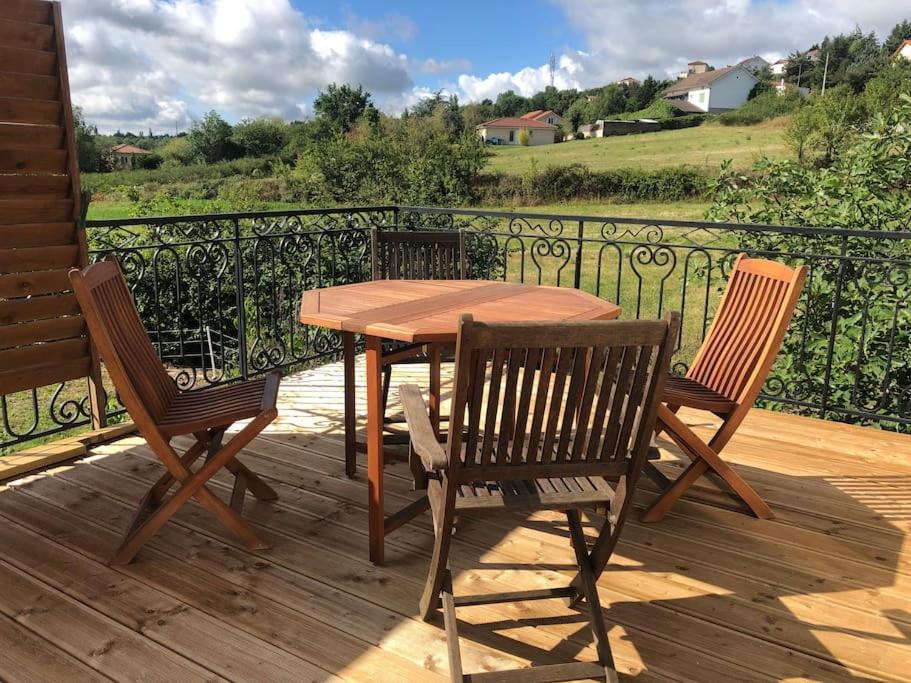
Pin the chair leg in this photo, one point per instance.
(589, 588)
(452, 630)
(436, 574)
(193, 485)
(658, 509)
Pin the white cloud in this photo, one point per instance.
(141, 63)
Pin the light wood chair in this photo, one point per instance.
(727, 375)
(544, 417)
(161, 412)
(407, 255)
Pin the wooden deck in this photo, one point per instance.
(823, 592)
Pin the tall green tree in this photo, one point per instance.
(210, 139)
(88, 149)
(265, 136)
(900, 32)
(510, 104)
(343, 106)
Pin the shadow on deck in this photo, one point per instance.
(822, 592)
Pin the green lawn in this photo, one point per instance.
(703, 147)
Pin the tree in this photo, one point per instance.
(510, 104)
(524, 137)
(265, 136)
(836, 115)
(342, 106)
(800, 131)
(576, 115)
(883, 92)
(611, 101)
(91, 158)
(210, 139)
(900, 32)
(178, 151)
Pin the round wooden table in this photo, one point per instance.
(423, 312)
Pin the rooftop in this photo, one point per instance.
(515, 122)
(703, 80)
(709, 594)
(129, 149)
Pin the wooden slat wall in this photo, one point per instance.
(43, 337)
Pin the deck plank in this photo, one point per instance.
(823, 592)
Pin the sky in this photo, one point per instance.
(161, 64)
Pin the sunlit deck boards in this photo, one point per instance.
(822, 592)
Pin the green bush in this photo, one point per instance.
(867, 187)
(687, 121)
(658, 110)
(767, 105)
(577, 181)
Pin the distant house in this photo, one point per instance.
(713, 91)
(124, 156)
(505, 131)
(754, 64)
(781, 88)
(779, 68)
(628, 81)
(696, 67)
(904, 50)
(545, 116)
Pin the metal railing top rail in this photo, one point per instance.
(756, 227)
(484, 213)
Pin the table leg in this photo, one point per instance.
(435, 362)
(350, 414)
(375, 508)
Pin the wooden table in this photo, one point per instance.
(424, 311)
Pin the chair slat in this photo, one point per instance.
(529, 372)
(567, 355)
(595, 363)
(493, 404)
(475, 401)
(508, 414)
(609, 445)
(534, 439)
(571, 402)
(608, 377)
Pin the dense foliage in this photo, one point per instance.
(866, 187)
(764, 106)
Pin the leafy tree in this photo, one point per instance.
(883, 92)
(510, 104)
(524, 137)
(91, 157)
(178, 151)
(343, 106)
(800, 130)
(576, 115)
(611, 101)
(265, 136)
(476, 113)
(868, 187)
(900, 32)
(210, 139)
(837, 113)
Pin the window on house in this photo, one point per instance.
(512, 136)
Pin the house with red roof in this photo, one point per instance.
(545, 115)
(904, 50)
(124, 156)
(507, 131)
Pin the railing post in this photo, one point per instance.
(395, 217)
(580, 240)
(833, 331)
(241, 299)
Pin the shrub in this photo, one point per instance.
(658, 110)
(764, 106)
(524, 137)
(867, 187)
(566, 183)
(687, 121)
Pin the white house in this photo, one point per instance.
(779, 68)
(545, 116)
(506, 130)
(714, 91)
(781, 88)
(904, 50)
(754, 64)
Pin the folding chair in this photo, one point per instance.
(544, 417)
(726, 377)
(161, 412)
(407, 255)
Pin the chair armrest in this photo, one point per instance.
(423, 440)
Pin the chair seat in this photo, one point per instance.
(193, 411)
(571, 492)
(683, 391)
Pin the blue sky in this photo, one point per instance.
(161, 64)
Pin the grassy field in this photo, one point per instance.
(703, 147)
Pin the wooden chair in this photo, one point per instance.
(408, 255)
(544, 417)
(727, 375)
(161, 412)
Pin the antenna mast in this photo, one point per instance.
(553, 68)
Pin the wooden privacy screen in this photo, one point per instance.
(43, 337)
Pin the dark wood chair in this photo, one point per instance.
(544, 416)
(408, 255)
(161, 412)
(727, 375)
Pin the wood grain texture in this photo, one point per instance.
(709, 594)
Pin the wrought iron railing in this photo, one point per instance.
(219, 294)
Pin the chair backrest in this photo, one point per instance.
(418, 254)
(541, 400)
(748, 328)
(141, 382)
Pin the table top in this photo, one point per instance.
(428, 310)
